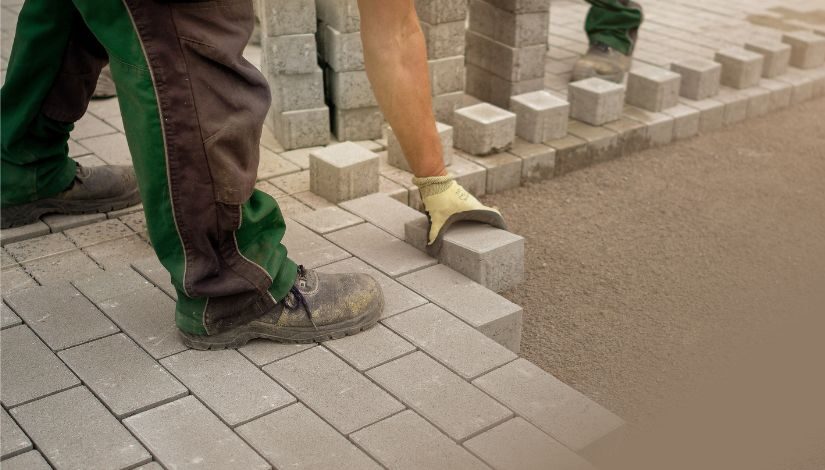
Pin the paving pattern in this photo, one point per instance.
(94, 374)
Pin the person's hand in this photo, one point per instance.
(447, 202)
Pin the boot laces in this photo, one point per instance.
(295, 298)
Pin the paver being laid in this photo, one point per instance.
(74, 430)
(13, 440)
(492, 257)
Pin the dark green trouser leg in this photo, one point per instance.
(192, 111)
(614, 22)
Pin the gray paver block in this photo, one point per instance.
(370, 348)
(337, 392)
(151, 269)
(504, 171)
(471, 176)
(13, 440)
(148, 317)
(150, 466)
(444, 39)
(518, 445)
(100, 232)
(110, 284)
(540, 116)
(632, 135)
(300, 156)
(489, 87)
(74, 430)
(60, 269)
(292, 183)
(483, 309)
(295, 437)
(685, 121)
(700, 77)
(271, 165)
(311, 200)
(90, 126)
(122, 375)
(447, 75)
(759, 101)
(301, 128)
(328, 219)
(60, 315)
(40, 247)
(602, 143)
(342, 15)
(510, 63)
(349, 90)
(483, 128)
(357, 123)
(435, 331)
(280, 17)
(343, 171)
(289, 54)
(61, 222)
(740, 68)
(807, 49)
(653, 88)
(441, 11)
(395, 154)
(538, 161)
(308, 248)
(407, 442)
(111, 148)
(571, 154)
(711, 113)
(16, 279)
(262, 352)
(443, 398)
(7, 316)
(384, 212)
(781, 93)
(16, 234)
(736, 105)
(381, 250)
(228, 384)
(803, 87)
(342, 51)
(659, 125)
(557, 409)
(490, 256)
(119, 254)
(30, 369)
(184, 434)
(397, 298)
(776, 56)
(515, 30)
(394, 190)
(445, 104)
(291, 207)
(416, 233)
(596, 101)
(29, 461)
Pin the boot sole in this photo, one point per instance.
(238, 337)
(24, 214)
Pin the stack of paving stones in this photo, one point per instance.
(298, 116)
(506, 45)
(443, 25)
(354, 112)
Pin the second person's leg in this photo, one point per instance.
(612, 27)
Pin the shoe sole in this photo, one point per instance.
(238, 337)
(24, 214)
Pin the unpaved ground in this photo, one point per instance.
(653, 279)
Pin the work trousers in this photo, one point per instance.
(614, 23)
(193, 111)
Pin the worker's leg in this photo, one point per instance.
(614, 23)
(193, 110)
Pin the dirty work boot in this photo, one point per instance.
(601, 61)
(94, 189)
(105, 87)
(318, 307)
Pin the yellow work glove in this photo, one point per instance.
(446, 202)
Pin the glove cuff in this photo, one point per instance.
(432, 185)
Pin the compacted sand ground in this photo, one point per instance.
(689, 277)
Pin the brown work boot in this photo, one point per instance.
(319, 307)
(601, 61)
(94, 189)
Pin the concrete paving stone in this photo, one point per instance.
(343, 171)
(540, 116)
(631, 134)
(491, 88)
(685, 121)
(381, 250)
(700, 77)
(434, 330)
(60, 315)
(111, 148)
(443, 398)
(61, 222)
(371, 348)
(777, 56)
(596, 101)
(342, 15)
(104, 109)
(441, 11)
(538, 161)
(99, 232)
(280, 17)
(481, 308)
(803, 86)
(7, 316)
(289, 54)
(490, 256)
(292, 183)
(15, 279)
(554, 407)
(780, 93)
(118, 254)
(24, 232)
(269, 141)
(135, 221)
(397, 298)
(271, 165)
(8, 260)
(514, 30)
(40, 247)
(349, 90)
(30, 369)
(356, 124)
(447, 75)
(653, 88)
(301, 128)
(759, 101)
(736, 105)
(740, 68)
(518, 445)
(395, 154)
(711, 113)
(32, 460)
(807, 49)
(342, 51)
(291, 207)
(308, 248)
(471, 176)
(370, 145)
(74, 430)
(510, 63)
(90, 126)
(337, 392)
(303, 441)
(300, 156)
(148, 317)
(416, 233)
(504, 170)
(571, 154)
(445, 104)
(228, 384)
(383, 212)
(122, 375)
(444, 39)
(60, 269)
(482, 129)
(13, 440)
(150, 466)
(127, 210)
(151, 269)
(393, 190)
(77, 150)
(184, 434)
(602, 143)
(328, 219)
(262, 352)
(659, 125)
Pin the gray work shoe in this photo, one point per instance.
(601, 61)
(105, 87)
(319, 307)
(94, 189)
